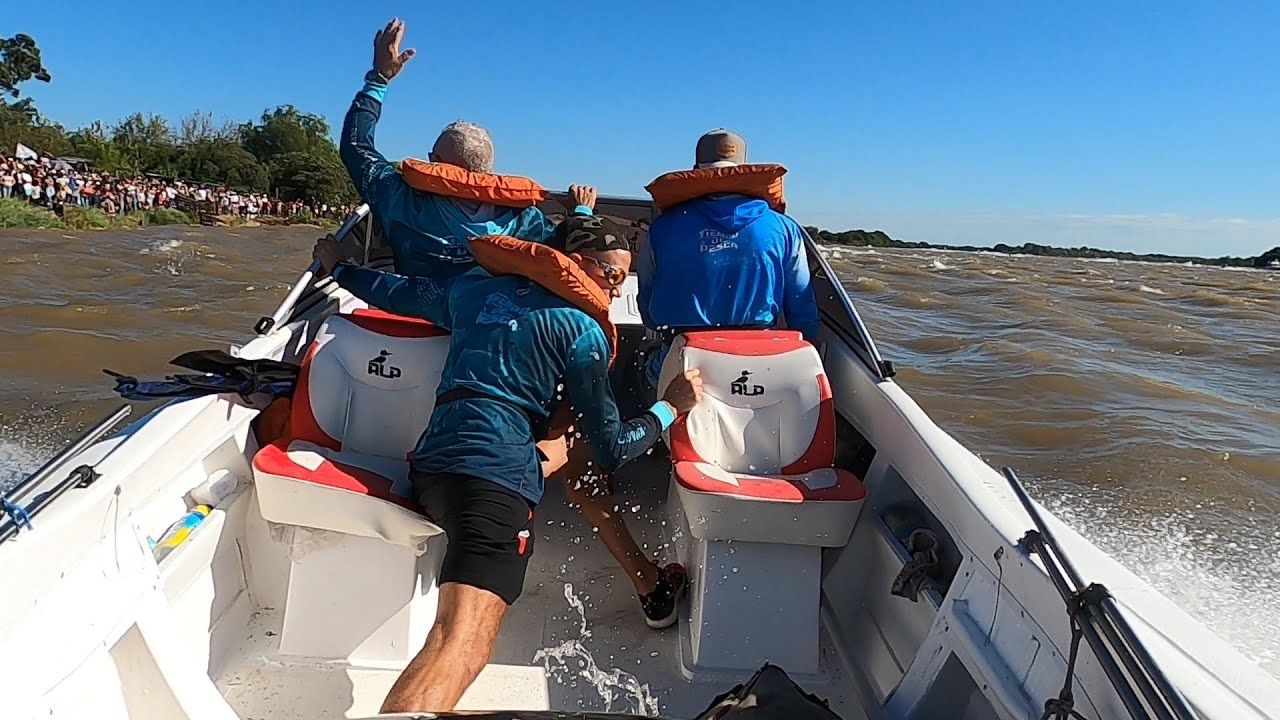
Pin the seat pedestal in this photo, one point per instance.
(356, 599)
(749, 603)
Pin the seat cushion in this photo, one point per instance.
(308, 485)
(822, 485)
(817, 508)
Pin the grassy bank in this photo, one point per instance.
(19, 214)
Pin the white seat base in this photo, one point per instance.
(361, 600)
(748, 603)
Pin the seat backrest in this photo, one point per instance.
(368, 383)
(766, 405)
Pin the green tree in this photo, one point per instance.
(146, 144)
(222, 160)
(93, 142)
(288, 152)
(299, 155)
(312, 176)
(19, 62)
(285, 129)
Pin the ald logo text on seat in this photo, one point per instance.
(383, 369)
(740, 386)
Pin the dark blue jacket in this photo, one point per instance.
(726, 260)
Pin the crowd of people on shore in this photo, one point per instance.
(56, 184)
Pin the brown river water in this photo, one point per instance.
(1141, 402)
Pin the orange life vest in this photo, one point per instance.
(553, 270)
(456, 182)
(763, 181)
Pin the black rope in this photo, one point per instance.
(1063, 706)
(999, 586)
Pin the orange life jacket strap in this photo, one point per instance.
(553, 270)
(452, 181)
(763, 181)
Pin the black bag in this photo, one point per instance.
(768, 695)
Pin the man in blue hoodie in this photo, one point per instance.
(723, 260)
(427, 233)
(476, 469)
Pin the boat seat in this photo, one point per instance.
(756, 457)
(363, 559)
(365, 392)
(754, 483)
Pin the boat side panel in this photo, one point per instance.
(980, 513)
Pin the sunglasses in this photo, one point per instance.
(613, 274)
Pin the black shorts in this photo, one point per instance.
(488, 527)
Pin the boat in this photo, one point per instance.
(892, 573)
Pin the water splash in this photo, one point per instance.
(15, 462)
(570, 660)
(162, 245)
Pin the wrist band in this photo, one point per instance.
(664, 413)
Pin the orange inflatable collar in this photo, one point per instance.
(553, 270)
(456, 182)
(763, 181)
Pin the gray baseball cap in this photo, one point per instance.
(720, 148)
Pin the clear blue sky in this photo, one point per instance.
(1150, 126)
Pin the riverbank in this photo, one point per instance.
(18, 214)
(877, 238)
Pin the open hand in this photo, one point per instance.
(329, 252)
(387, 58)
(582, 195)
(685, 391)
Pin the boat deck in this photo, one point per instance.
(550, 655)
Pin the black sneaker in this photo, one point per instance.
(660, 605)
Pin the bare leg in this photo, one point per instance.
(592, 492)
(456, 651)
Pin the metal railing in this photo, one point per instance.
(17, 512)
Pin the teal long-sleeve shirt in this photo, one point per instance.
(427, 233)
(518, 346)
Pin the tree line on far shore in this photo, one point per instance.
(878, 239)
(287, 152)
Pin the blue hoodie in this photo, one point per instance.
(426, 232)
(726, 260)
(512, 343)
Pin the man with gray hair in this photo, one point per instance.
(428, 232)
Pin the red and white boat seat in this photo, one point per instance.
(755, 459)
(363, 397)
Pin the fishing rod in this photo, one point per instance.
(1096, 617)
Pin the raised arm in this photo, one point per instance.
(374, 176)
